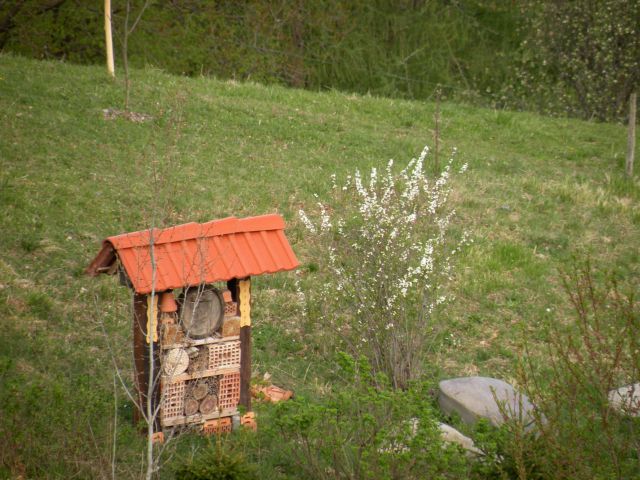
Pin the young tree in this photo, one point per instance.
(580, 58)
(128, 29)
(157, 210)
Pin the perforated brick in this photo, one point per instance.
(173, 399)
(224, 355)
(230, 309)
(217, 426)
(229, 391)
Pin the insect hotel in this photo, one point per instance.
(192, 314)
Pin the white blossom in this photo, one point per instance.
(387, 253)
(306, 222)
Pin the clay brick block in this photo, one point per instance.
(172, 333)
(248, 420)
(217, 426)
(231, 327)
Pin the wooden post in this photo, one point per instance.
(436, 134)
(244, 306)
(108, 38)
(631, 136)
(141, 360)
(139, 324)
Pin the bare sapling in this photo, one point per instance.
(128, 30)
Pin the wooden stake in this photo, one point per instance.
(631, 136)
(436, 133)
(139, 323)
(142, 363)
(244, 297)
(109, 38)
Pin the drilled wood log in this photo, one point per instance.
(208, 404)
(176, 361)
(191, 406)
(200, 391)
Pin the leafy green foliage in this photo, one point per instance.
(216, 462)
(580, 58)
(536, 189)
(365, 429)
(407, 49)
(581, 435)
(576, 58)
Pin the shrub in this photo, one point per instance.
(387, 253)
(216, 462)
(365, 430)
(580, 58)
(581, 435)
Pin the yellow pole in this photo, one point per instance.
(108, 37)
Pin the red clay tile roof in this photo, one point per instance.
(196, 253)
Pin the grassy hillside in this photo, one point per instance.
(538, 191)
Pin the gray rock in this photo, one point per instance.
(626, 399)
(473, 398)
(451, 435)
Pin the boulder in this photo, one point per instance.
(451, 435)
(475, 397)
(626, 399)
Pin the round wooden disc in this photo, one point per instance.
(176, 361)
(209, 404)
(202, 312)
(200, 390)
(191, 406)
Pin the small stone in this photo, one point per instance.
(473, 398)
(626, 399)
(451, 435)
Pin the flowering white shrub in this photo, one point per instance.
(386, 253)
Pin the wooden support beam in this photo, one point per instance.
(232, 285)
(139, 323)
(245, 367)
(242, 294)
(141, 361)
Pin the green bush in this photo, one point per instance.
(580, 58)
(403, 48)
(364, 430)
(216, 462)
(579, 434)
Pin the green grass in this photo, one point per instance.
(538, 190)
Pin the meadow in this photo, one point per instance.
(539, 193)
